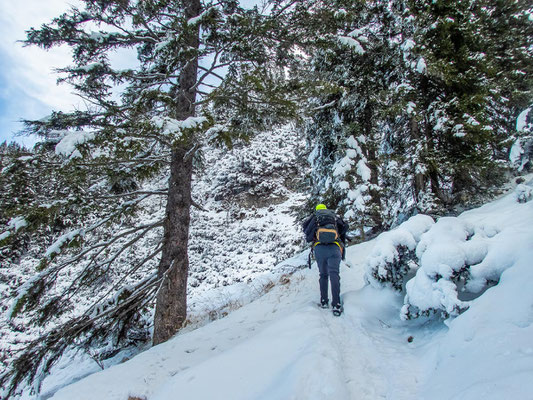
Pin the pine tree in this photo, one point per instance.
(348, 129)
(462, 118)
(205, 73)
(426, 99)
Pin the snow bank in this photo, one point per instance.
(453, 258)
(484, 256)
(487, 353)
(283, 347)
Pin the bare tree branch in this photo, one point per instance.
(198, 206)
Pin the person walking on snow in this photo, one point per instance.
(327, 231)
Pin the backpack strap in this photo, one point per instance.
(335, 242)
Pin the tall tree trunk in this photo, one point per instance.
(171, 305)
(171, 302)
(419, 179)
(432, 172)
(373, 164)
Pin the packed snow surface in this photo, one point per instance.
(282, 346)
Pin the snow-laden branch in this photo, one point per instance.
(123, 278)
(95, 266)
(48, 275)
(149, 192)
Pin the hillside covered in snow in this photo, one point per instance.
(249, 196)
(282, 346)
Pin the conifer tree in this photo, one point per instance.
(426, 99)
(205, 72)
(347, 129)
(463, 111)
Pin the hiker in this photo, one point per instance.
(327, 231)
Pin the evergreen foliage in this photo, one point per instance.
(423, 116)
(204, 73)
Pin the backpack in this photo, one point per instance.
(326, 232)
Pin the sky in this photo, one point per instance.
(28, 88)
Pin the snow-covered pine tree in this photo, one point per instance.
(39, 196)
(15, 181)
(429, 107)
(350, 126)
(462, 117)
(508, 27)
(204, 72)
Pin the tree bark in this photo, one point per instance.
(171, 301)
(419, 179)
(373, 163)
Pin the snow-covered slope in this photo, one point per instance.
(249, 195)
(282, 346)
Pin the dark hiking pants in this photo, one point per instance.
(328, 258)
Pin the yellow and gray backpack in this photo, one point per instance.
(326, 232)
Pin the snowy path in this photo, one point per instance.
(376, 359)
(281, 346)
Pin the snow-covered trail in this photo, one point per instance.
(370, 342)
(281, 346)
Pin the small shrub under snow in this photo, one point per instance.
(453, 258)
(523, 193)
(393, 255)
(444, 252)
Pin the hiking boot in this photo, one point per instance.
(337, 309)
(324, 304)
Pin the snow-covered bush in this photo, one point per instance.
(444, 252)
(455, 259)
(440, 253)
(393, 255)
(523, 193)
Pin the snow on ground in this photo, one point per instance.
(282, 346)
(487, 352)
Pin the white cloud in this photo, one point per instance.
(29, 88)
